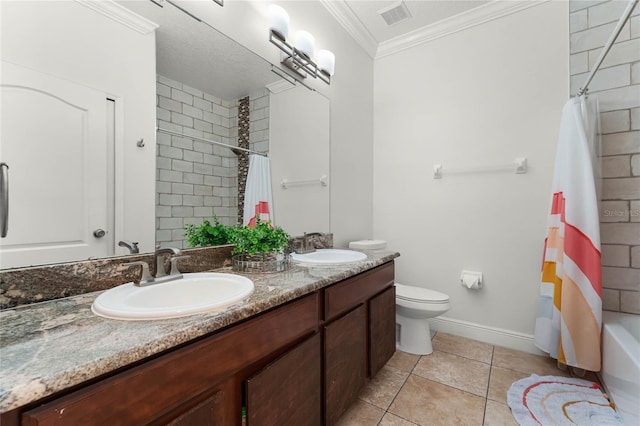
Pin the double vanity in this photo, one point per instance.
(296, 351)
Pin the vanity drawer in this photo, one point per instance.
(162, 386)
(345, 295)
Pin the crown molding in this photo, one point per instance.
(480, 15)
(350, 22)
(120, 14)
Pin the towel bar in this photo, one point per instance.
(519, 166)
(287, 183)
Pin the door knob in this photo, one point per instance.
(99, 233)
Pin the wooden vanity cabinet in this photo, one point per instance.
(186, 385)
(359, 335)
(302, 363)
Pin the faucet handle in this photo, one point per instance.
(146, 275)
(174, 264)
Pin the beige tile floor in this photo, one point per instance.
(463, 382)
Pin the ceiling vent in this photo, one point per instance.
(397, 12)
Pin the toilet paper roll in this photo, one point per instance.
(472, 280)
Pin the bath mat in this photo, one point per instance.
(551, 400)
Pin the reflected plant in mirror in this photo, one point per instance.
(206, 234)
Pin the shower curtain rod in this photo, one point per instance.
(616, 32)
(236, 149)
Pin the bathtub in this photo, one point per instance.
(621, 363)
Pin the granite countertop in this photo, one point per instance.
(50, 346)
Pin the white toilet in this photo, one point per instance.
(414, 305)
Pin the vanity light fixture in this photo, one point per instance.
(160, 3)
(300, 57)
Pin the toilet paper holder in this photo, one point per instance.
(471, 279)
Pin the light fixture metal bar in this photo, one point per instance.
(186, 12)
(290, 77)
(297, 61)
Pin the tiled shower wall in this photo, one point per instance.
(617, 86)
(259, 121)
(195, 180)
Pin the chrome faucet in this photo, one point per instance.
(159, 257)
(302, 245)
(133, 247)
(161, 275)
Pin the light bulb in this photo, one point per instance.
(305, 43)
(327, 61)
(278, 21)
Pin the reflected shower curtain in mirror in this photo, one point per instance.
(258, 201)
(569, 315)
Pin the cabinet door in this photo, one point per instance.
(382, 329)
(220, 408)
(288, 391)
(345, 362)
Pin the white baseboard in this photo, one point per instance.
(493, 335)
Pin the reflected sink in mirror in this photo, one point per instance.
(193, 294)
(329, 257)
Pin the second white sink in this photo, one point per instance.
(329, 257)
(193, 294)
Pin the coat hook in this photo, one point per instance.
(140, 143)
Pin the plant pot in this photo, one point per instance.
(261, 263)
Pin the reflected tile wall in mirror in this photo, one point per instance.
(197, 180)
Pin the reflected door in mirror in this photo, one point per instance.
(55, 141)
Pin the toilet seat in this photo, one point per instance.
(420, 295)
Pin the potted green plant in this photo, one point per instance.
(261, 247)
(206, 234)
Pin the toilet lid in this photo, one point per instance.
(419, 294)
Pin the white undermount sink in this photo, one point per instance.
(193, 294)
(329, 257)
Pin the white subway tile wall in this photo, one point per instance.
(195, 180)
(617, 86)
(259, 121)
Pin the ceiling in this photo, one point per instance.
(213, 63)
(424, 13)
(430, 19)
(241, 70)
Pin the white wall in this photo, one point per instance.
(68, 40)
(482, 96)
(350, 94)
(299, 151)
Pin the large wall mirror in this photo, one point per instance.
(198, 76)
(203, 80)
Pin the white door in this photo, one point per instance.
(53, 136)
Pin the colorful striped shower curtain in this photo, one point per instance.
(570, 305)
